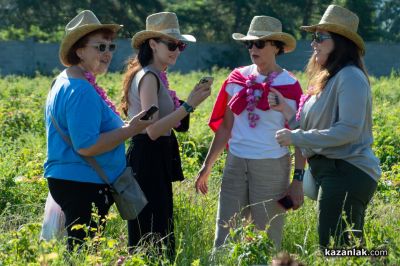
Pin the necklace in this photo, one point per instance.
(172, 93)
(100, 91)
(254, 94)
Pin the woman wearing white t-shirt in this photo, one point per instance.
(257, 169)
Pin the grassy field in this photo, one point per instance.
(23, 190)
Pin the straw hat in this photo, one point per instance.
(267, 28)
(163, 24)
(84, 23)
(341, 21)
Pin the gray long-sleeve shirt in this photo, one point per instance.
(337, 123)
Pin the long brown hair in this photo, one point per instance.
(134, 64)
(345, 52)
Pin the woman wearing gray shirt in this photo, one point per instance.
(334, 126)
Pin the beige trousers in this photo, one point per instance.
(250, 189)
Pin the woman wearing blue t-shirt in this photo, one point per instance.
(84, 113)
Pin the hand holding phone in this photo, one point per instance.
(149, 112)
(286, 202)
(204, 80)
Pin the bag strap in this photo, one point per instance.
(90, 160)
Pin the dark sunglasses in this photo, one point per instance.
(320, 37)
(171, 45)
(260, 44)
(102, 47)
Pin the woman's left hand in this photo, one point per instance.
(284, 137)
(278, 103)
(295, 192)
(276, 100)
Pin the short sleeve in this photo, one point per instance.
(83, 115)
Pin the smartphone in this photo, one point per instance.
(149, 113)
(286, 202)
(276, 100)
(205, 80)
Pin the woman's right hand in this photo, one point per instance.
(202, 180)
(136, 125)
(199, 93)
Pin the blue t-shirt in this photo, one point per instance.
(82, 115)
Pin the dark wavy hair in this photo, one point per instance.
(345, 52)
(280, 45)
(134, 64)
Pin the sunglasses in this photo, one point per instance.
(171, 45)
(102, 47)
(320, 37)
(260, 44)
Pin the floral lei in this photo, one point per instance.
(303, 99)
(254, 95)
(92, 80)
(172, 93)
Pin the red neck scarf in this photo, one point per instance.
(238, 101)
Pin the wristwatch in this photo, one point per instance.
(298, 174)
(188, 108)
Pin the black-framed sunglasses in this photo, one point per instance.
(260, 44)
(171, 45)
(102, 47)
(320, 37)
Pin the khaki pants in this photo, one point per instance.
(250, 189)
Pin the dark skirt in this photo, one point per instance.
(156, 164)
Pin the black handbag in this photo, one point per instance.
(128, 196)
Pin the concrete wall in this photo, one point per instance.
(28, 57)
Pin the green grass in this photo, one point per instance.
(23, 191)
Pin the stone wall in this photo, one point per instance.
(28, 57)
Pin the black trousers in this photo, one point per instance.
(345, 192)
(155, 222)
(76, 200)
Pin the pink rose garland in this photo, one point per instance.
(172, 93)
(303, 99)
(254, 95)
(100, 91)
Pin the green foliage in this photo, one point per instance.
(208, 20)
(248, 246)
(23, 191)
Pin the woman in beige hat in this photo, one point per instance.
(335, 126)
(257, 169)
(78, 109)
(154, 154)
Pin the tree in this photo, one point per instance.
(208, 20)
(389, 20)
(50, 16)
(366, 11)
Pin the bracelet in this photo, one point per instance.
(188, 108)
(298, 174)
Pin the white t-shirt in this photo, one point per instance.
(258, 142)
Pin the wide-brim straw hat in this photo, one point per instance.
(163, 24)
(84, 23)
(267, 28)
(341, 21)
